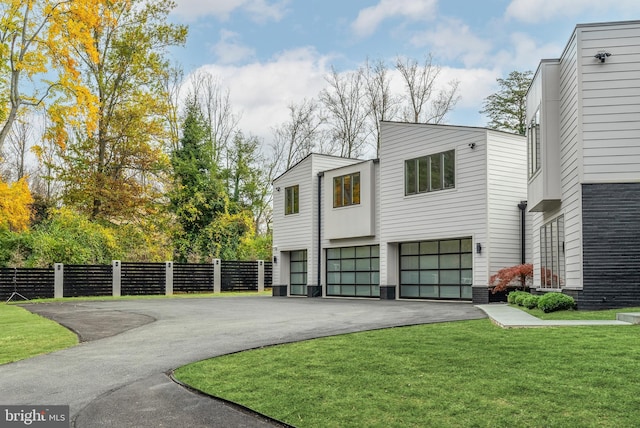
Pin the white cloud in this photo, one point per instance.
(369, 18)
(230, 50)
(263, 90)
(535, 11)
(525, 54)
(259, 10)
(452, 39)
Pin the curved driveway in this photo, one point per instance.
(121, 380)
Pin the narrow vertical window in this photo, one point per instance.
(552, 258)
(533, 143)
(423, 174)
(436, 172)
(347, 190)
(410, 177)
(337, 192)
(291, 200)
(356, 189)
(449, 170)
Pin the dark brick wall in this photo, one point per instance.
(611, 246)
(480, 295)
(387, 292)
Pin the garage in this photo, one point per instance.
(439, 269)
(353, 271)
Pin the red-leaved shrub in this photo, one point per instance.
(520, 276)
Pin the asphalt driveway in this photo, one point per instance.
(118, 375)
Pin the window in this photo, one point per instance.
(430, 173)
(291, 200)
(346, 190)
(552, 263)
(533, 143)
(437, 269)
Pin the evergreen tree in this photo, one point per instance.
(198, 196)
(507, 108)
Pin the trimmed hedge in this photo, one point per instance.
(551, 302)
(515, 295)
(531, 301)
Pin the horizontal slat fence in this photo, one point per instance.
(87, 280)
(239, 275)
(143, 278)
(31, 283)
(134, 279)
(193, 278)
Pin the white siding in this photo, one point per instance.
(351, 221)
(299, 231)
(507, 187)
(458, 212)
(611, 102)
(570, 166)
(286, 228)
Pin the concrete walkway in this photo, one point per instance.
(509, 317)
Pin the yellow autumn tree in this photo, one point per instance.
(38, 41)
(112, 171)
(15, 205)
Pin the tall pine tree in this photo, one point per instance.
(198, 196)
(507, 108)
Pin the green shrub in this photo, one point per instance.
(511, 298)
(520, 298)
(531, 301)
(551, 302)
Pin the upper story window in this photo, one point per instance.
(346, 190)
(533, 143)
(430, 173)
(291, 200)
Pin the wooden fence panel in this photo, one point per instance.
(192, 278)
(32, 283)
(143, 278)
(88, 280)
(239, 275)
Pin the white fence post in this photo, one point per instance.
(260, 275)
(116, 269)
(217, 275)
(58, 280)
(168, 290)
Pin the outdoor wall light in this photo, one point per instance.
(479, 248)
(275, 259)
(277, 189)
(472, 145)
(602, 55)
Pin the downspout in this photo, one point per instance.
(319, 276)
(523, 207)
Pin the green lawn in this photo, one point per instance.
(609, 314)
(24, 335)
(460, 374)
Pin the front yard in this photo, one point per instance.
(461, 374)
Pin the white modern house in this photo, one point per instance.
(583, 110)
(438, 213)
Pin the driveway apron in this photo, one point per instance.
(120, 379)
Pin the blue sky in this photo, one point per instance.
(270, 53)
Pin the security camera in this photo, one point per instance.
(602, 55)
